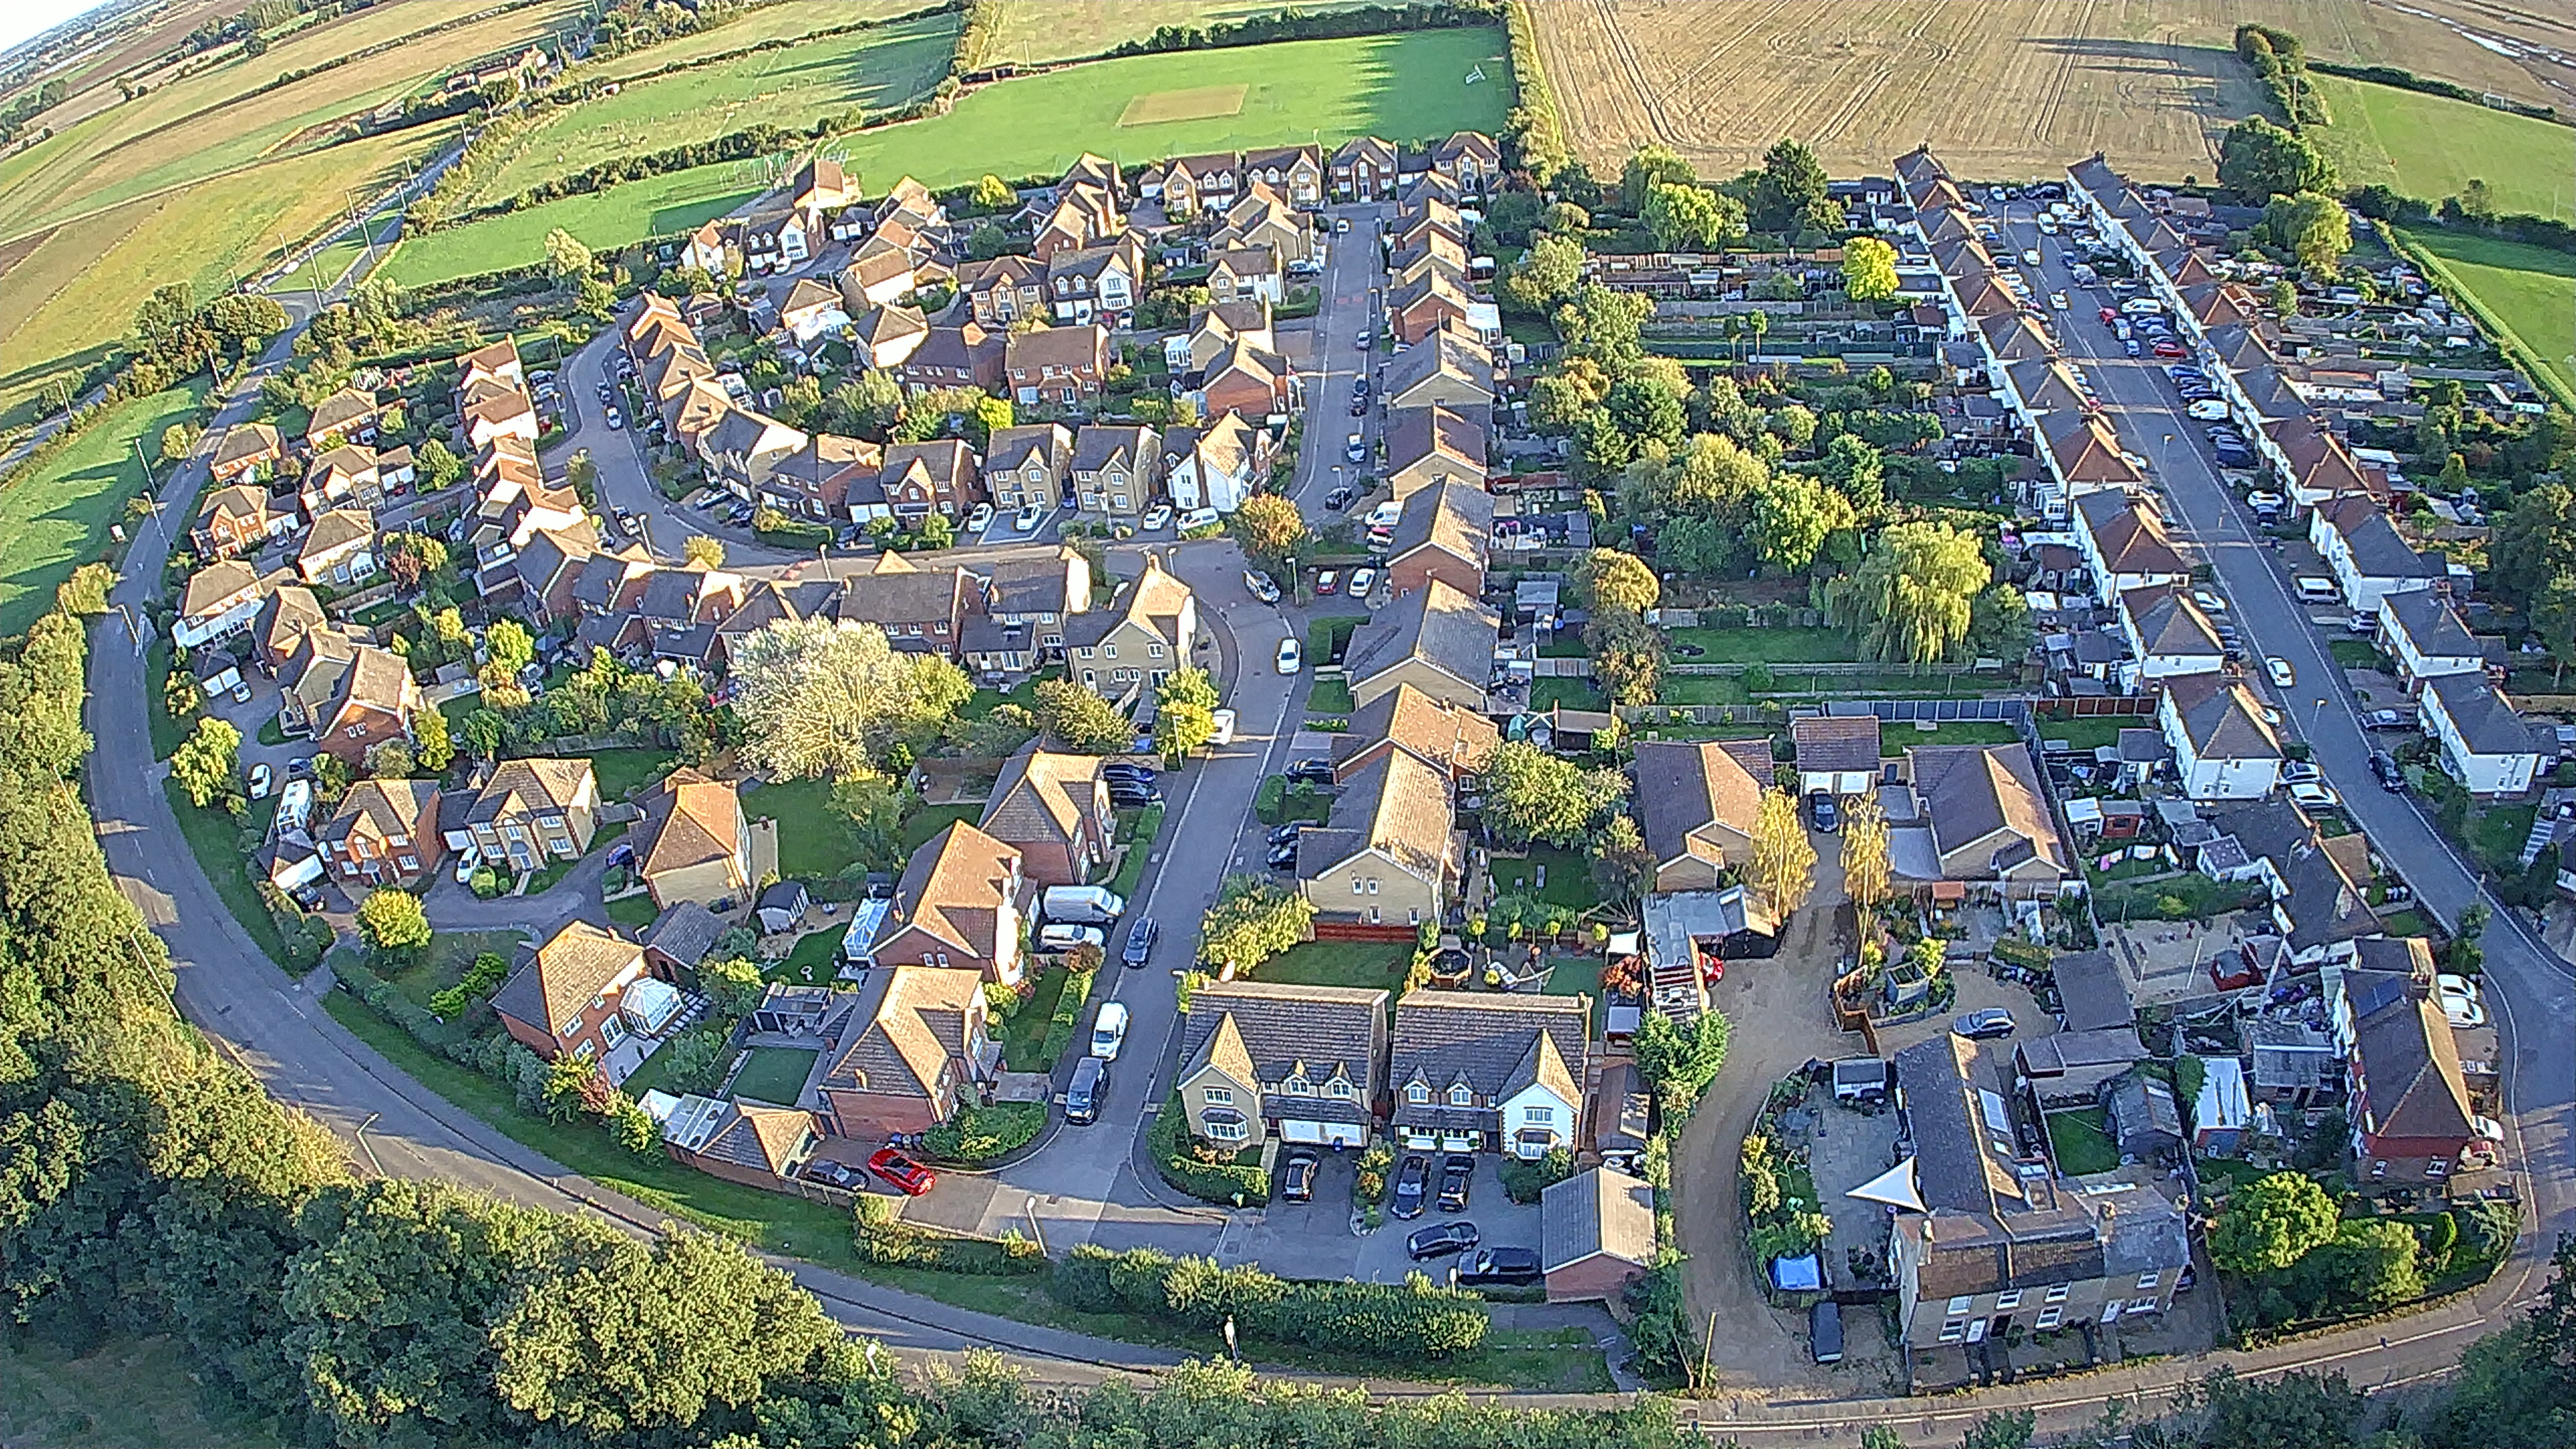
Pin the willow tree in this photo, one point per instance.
(1783, 867)
(1914, 593)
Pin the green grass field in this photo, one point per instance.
(1764, 646)
(769, 22)
(57, 517)
(1036, 31)
(2430, 146)
(1403, 87)
(2530, 290)
(879, 69)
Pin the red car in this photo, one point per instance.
(907, 1176)
(2110, 315)
(2167, 347)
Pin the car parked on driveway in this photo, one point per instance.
(980, 519)
(1282, 856)
(902, 1173)
(260, 775)
(1457, 1175)
(1311, 772)
(1440, 1240)
(1412, 1185)
(2313, 796)
(1986, 1025)
(1297, 1180)
(1500, 1268)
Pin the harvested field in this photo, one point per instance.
(1036, 32)
(773, 22)
(2002, 88)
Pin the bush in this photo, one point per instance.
(1368, 1182)
(975, 1136)
(898, 1246)
(1524, 1179)
(1223, 1182)
(1396, 1322)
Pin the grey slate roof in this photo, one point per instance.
(1491, 1041)
(1452, 517)
(2435, 628)
(2483, 718)
(1437, 624)
(1282, 1027)
(1596, 1212)
(2093, 995)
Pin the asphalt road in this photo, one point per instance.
(1351, 306)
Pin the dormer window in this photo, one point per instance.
(1338, 1088)
(1462, 1095)
(1297, 1087)
(1417, 1093)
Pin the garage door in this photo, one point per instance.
(1344, 1134)
(1301, 1131)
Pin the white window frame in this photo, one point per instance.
(1462, 1095)
(2050, 1317)
(2008, 1300)
(1953, 1329)
(1417, 1093)
(1217, 1096)
(2147, 1281)
(1959, 1306)
(2057, 1292)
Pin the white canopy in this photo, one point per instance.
(1894, 1187)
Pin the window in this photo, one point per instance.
(1234, 1131)
(613, 1030)
(1156, 650)
(1083, 653)
(2147, 1282)
(1218, 1096)
(1953, 1329)
(2006, 1302)
(1372, 885)
(1417, 1093)
(1355, 885)
(2110, 1309)
(1462, 1095)
(2057, 1292)
(1108, 651)
(1538, 1116)
(1960, 1304)
(2051, 1317)
(1297, 1087)
(1338, 1089)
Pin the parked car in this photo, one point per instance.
(1328, 583)
(2385, 767)
(2460, 1000)
(1287, 834)
(1361, 582)
(1340, 498)
(1109, 1030)
(1159, 516)
(2280, 671)
(902, 1173)
(1311, 772)
(2130, 346)
(1289, 658)
(1412, 1182)
(1128, 770)
(1355, 450)
(2167, 347)
(1026, 520)
(2207, 409)
(1140, 941)
(1821, 812)
(260, 775)
(1457, 1176)
(1134, 797)
(1985, 1025)
(616, 419)
(1359, 404)
(1297, 1182)
(1440, 1240)
(1282, 856)
(2314, 796)
(1500, 1268)
(1258, 584)
(980, 519)
(2297, 772)
(835, 1174)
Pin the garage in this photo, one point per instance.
(1328, 1134)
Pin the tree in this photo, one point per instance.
(1869, 269)
(1677, 1061)
(1609, 579)
(438, 467)
(1251, 922)
(431, 745)
(1783, 864)
(1627, 655)
(509, 646)
(1792, 183)
(1547, 274)
(1692, 218)
(567, 260)
(1792, 514)
(1621, 865)
(992, 193)
(819, 698)
(85, 593)
(2316, 229)
(1854, 469)
(1268, 526)
(1535, 796)
(2004, 1429)
(2258, 161)
(703, 552)
(207, 761)
(1082, 720)
(873, 805)
(1999, 624)
(1865, 866)
(392, 922)
(868, 405)
(1644, 411)
(178, 440)
(2271, 1223)
(733, 983)
(2301, 1409)
(389, 760)
(1648, 166)
(2517, 1386)
(1913, 596)
(1184, 712)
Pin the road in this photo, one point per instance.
(1350, 307)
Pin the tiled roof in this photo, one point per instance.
(907, 1025)
(1265, 1032)
(1495, 1042)
(1397, 806)
(1435, 623)
(1596, 1212)
(1836, 743)
(1683, 787)
(2221, 720)
(689, 819)
(1452, 517)
(2481, 714)
(1972, 791)
(952, 889)
(558, 982)
(1042, 795)
(534, 786)
(1452, 737)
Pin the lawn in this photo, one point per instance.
(880, 69)
(2529, 292)
(1379, 964)
(929, 820)
(774, 1074)
(2356, 654)
(2430, 147)
(1765, 646)
(132, 1393)
(215, 839)
(443, 962)
(745, 29)
(1330, 699)
(621, 773)
(814, 961)
(1898, 737)
(1140, 848)
(813, 838)
(1546, 694)
(1328, 636)
(56, 518)
(2082, 1141)
(1567, 874)
(1024, 1035)
(634, 912)
(1403, 87)
(2092, 732)
(1032, 32)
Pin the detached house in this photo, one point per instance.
(961, 356)
(2491, 750)
(348, 696)
(1696, 806)
(526, 812)
(1447, 368)
(1004, 290)
(339, 548)
(1444, 533)
(1388, 851)
(1124, 653)
(2225, 746)
(1216, 466)
(1296, 173)
(903, 1050)
(1990, 825)
(346, 416)
(1469, 159)
(1054, 809)
(1246, 274)
(1364, 169)
(1455, 740)
(2409, 1100)
(1489, 1071)
(1057, 366)
(246, 448)
(1016, 618)
(743, 446)
(882, 278)
(1263, 1061)
(1114, 468)
(1028, 464)
(1192, 184)
(220, 598)
(2367, 556)
(939, 476)
(813, 312)
(573, 997)
(1249, 380)
(1430, 302)
(964, 901)
(1097, 284)
(1437, 638)
(384, 833)
(886, 337)
(694, 843)
(238, 520)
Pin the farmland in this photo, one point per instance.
(2531, 290)
(771, 22)
(2430, 146)
(2002, 88)
(1034, 32)
(57, 517)
(1400, 86)
(878, 69)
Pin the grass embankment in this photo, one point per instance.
(57, 518)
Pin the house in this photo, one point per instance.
(1388, 851)
(2125, 545)
(339, 549)
(2491, 750)
(527, 812)
(2427, 638)
(2224, 743)
(963, 901)
(939, 476)
(1988, 1239)
(1489, 1071)
(1836, 754)
(1436, 638)
(1470, 159)
(820, 190)
(1215, 466)
(1364, 169)
(881, 278)
(2321, 897)
(1444, 533)
(830, 477)
(1295, 173)
(384, 833)
(1018, 616)
(1247, 379)
(1696, 806)
(1028, 464)
(921, 610)
(777, 239)
(914, 1040)
(1990, 825)
(743, 446)
(1431, 302)
(571, 997)
(288, 614)
(1432, 253)
(1097, 283)
(2315, 465)
(1246, 274)
(346, 416)
(2408, 1097)
(886, 337)
(220, 598)
(1057, 366)
(2092, 992)
(1261, 217)
(964, 355)
(1429, 446)
(496, 365)
(1114, 468)
(813, 311)
(740, 1140)
(1447, 368)
(1084, 211)
(499, 414)
(246, 448)
(1192, 184)
(680, 940)
(694, 843)
(1452, 738)
(1263, 1061)
(348, 696)
(2367, 556)
(1213, 330)
(1005, 289)
(1124, 653)
(240, 519)
(2084, 453)
(396, 468)
(711, 249)
(1596, 1235)
(2169, 634)
(345, 475)
(1053, 808)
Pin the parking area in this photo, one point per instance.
(1318, 1239)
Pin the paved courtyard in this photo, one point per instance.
(1316, 1239)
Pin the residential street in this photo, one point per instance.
(1354, 272)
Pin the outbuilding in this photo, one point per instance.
(1597, 1235)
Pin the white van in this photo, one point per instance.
(2142, 306)
(1092, 905)
(2315, 589)
(1064, 937)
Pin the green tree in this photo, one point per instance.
(509, 645)
(2300, 1409)
(1678, 1061)
(2003, 1429)
(2258, 161)
(392, 921)
(1537, 796)
(389, 760)
(733, 983)
(1627, 655)
(1999, 624)
(1866, 875)
(992, 193)
(2517, 1386)
(1692, 218)
(824, 699)
(1783, 864)
(1914, 594)
(868, 405)
(430, 742)
(1184, 712)
(1869, 269)
(1605, 578)
(567, 260)
(84, 594)
(1854, 469)
(1621, 864)
(1792, 514)
(438, 467)
(2315, 229)
(207, 761)
(1648, 166)
(1252, 922)
(1644, 411)
(1547, 274)
(1792, 183)
(1082, 720)
(2271, 1223)
(1268, 526)
(178, 440)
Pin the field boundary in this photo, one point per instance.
(2524, 356)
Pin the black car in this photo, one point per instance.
(1984, 1025)
(1312, 772)
(1821, 812)
(1283, 857)
(1128, 772)
(1140, 940)
(2385, 767)
(835, 1174)
(1287, 834)
(1440, 1240)
(1297, 1184)
(1130, 797)
(1359, 405)
(1457, 1174)
(1411, 1181)
(1500, 1268)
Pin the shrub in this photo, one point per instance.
(975, 1136)
(1524, 1179)
(1368, 1182)
(896, 1245)
(1397, 1322)
(1222, 1182)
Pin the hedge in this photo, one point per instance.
(1068, 1011)
(1534, 129)
(976, 1136)
(897, 1246)
(1223, 1182)
(1397, 1322)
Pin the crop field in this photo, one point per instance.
(772, 22)
(56, 518)
(2531, 290)
(2001, 88)
(1402, 87)
(2430, 147)
(880, 69)
(1033, 32)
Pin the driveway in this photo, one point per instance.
(1316, 1240)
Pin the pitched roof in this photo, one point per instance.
(341, 409)
(2092, 992)
(2378, 549)
(1262, 1033)
(1836, 743)
(1153, 603)
(2411, 1071)
(1972, 791)
(2169, 623)
(689, 819)
(381, 809)
(1042, 795)
(2479, 711)
(2431, 625)
(1436, 624)
(2221, 720)
(1596, 1212)
(557, 983)
(539, 785)
(246, 440)
(2087, 451)
(685, 932)
(749, 1134)
(910, 1023)
(953, 887)
(1682, 787)
(1098, 445)
(1397, 806)
(2324, 903)
(1495, 1042)
(1454, 518)
(335, 529)
(1011, 448)
(2131, 538)
(1447, 735)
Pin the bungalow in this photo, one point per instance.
(1445, 533)
(2125, 545)
(1430, 446)
(1246, 274)
(1053, 808)
(384, 833)
(2169, 634)
(2427, 637)
(1436, 638)
(1263, 1061)
(1696, 808)
(571, 997)
(245, 449)
(1389, 850)
(812, 311)
(339, 548)
(964, 901)
(694, 843)
(2225, 746)
(1216, 466)
(526, 812)
(2367, 556)
(1114, 467)
(1596, 1235)
(1028, 464)
(1057, 366)
(1364, 169)
(346, 416)
(2488, 748)
(907, 1046)
(1124, 653)
(238, 520)
(1457, 741)
(1489, 1070)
